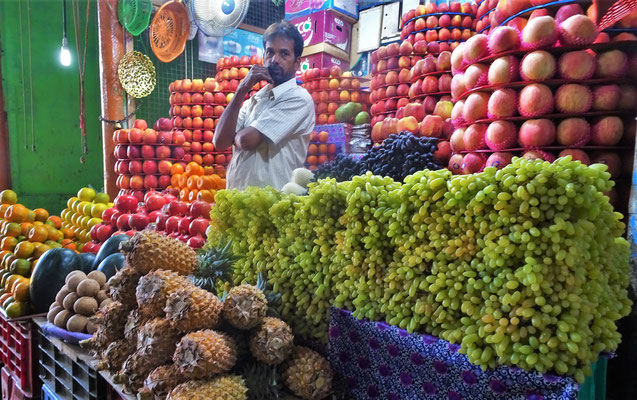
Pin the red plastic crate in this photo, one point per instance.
(7, 383)
(17, 352)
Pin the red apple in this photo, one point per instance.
(133, 152)
(164, 166)
(140, 124)
(135, 136)
(135, 167)
(162, 152)
(149, 167)
(147, 151)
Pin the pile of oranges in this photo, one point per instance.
(25, 235)
(196, 182)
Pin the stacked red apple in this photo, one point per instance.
(144, 156)
(231, 70)
(330, 87)
(484, 12)
(434, 28)
(196, 106)
(321, 149)
(186, 222)
(391, 79)
(544, 102)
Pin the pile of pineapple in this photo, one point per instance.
(165, 337)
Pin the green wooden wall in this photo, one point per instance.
(42, 102)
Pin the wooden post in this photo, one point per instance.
(112, 48)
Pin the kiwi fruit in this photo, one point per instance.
(69, 300)
(61, 319)
(91, 327)
(101, 296)
(98, 276)
(85, 305)
(76, 323)
(88, 287)
(53, 312)
(105, 302)
(74, 280)
(62, 294)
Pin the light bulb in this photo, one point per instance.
(65, 54)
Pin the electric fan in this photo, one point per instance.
(218, 17)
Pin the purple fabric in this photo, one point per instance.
(70, 337)
(373, 360)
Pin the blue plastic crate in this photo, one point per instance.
(48, 394)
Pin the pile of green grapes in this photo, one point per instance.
(521, 266)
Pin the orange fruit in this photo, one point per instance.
(12, 229)
(17, 213)
(57, 221)
(20, 266)
(221, 171)
(11, 280)
(68, 244)
(206, 195)
(312, 149)
(183, 179)
(40, 248)
(3, 209)
(191, 183)
(183, 194)
(192, 196)
(208, 170)
(176, 168)
(6, 260)
(41, 214)
(174, 180)
(38, 233)
(194, 169)
(25, 227)
(323, 137)
(8, 243)
(8, 196)
(67, 233)
(53, 234)
(24, 249)
(20, 292)
(222, 184)
(197, 158)
(17, 309)
(4, 297)
(31, 216)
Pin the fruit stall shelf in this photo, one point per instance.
(547, 82)
(437, 28)
(360, 78)
(620, 30)
(203, 91)
(552, 5)
(554, 50)
(434, 73)
(484, 15)
(438, 14)
(68, 370)
(521, 118)
(551, 148)
(199, 104)
(423, 95)
(17, 348)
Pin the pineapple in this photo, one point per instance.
(122, 286)
(159, 382)
(245, 306)
(115, 354)
(203, 354)
(149, 250)
(110, 320)
(192, 308)
(308, 375)
(214, 265)
(272, 342)
(262, 381)
(230, 387)
(153, 289)
(133, 372)
(134, 321)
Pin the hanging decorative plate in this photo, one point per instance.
(169, 31)
(136, 74)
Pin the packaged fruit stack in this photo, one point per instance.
(432, 28)
(25, 236)
(324, 147)
(78, 300)
(144, 155)
(485, 8)
(390, 72)
(545, 101)
(82, 213)
(196, 182)
(330, 88)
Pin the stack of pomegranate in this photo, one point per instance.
(331, 87)
(144, 156)
(544, 102)
(434, 28)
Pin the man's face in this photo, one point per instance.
(280, 60)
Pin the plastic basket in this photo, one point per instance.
(17, 353)
(68, 378)
(48, 394)
(134, 15)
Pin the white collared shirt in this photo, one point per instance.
(285, 116)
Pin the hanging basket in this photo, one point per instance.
(136, 74)
(169, 31)
(134, 15)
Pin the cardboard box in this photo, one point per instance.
(348, 9)
(325, 27)
(320, 60)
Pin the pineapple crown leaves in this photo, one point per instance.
(262, 381)
(214, 265)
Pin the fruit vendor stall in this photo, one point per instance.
(461, 226)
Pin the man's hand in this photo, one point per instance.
(257, 74)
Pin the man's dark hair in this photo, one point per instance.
(286, 30)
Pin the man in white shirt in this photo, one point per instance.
(271, 132)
